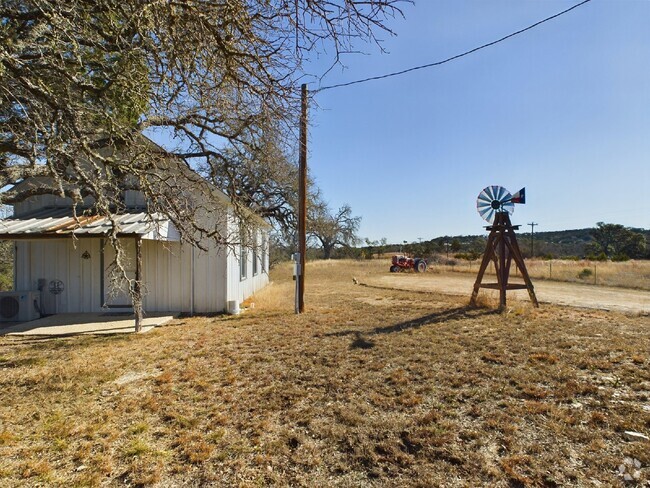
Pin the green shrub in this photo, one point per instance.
(468, 256)
(585, 273)
(597, 257)
(6, 281)
(620, 257)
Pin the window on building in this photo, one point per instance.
(256, 261)
(243, 262)
(265, 254)
(243, 255)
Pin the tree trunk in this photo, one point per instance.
(327, 251)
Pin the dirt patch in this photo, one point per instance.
(572, 294)
(132, 376)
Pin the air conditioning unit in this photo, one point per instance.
(20, 306)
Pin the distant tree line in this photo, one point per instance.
(333, 235)
(604, 242)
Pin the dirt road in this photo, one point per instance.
(573, 294)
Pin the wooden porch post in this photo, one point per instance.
(137, 289)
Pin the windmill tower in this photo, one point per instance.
(495, 204)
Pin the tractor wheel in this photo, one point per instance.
(394, 269)
(420, 266)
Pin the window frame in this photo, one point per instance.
(256, 260)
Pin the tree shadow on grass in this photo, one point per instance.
(361, 342)
(464, 312)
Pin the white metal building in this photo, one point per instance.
(68, 260)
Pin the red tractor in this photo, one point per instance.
(402, 263)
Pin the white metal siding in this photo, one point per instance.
(240, 289)
(61, 259)
(170, 271)
(84, 277)
(134, 198)
(166, 272)
(209, 279)
(37, 202)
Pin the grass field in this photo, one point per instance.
(629, 274)
(370, 387)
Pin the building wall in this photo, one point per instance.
(38, 202)
(179, 278)
(240, 287)
(176, 276)
(167, 272)
(210, 284)
(132, 199)
(61, 260)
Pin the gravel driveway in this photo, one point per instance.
(561, 293)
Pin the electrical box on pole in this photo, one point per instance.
(297, 272)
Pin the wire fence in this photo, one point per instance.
(629, 274)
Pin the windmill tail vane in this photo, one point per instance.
(519, 197)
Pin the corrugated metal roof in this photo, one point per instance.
(59, 221)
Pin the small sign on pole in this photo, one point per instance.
(297, 271)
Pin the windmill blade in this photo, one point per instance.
(493, 199)
(484, 198)
(487, 214)
(500, 193)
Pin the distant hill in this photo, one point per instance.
(559, 243)
(564, 243)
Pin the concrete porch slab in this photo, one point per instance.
(65, 324)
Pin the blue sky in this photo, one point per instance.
(563, 110)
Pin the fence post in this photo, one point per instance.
(550, 269)
(595, 274)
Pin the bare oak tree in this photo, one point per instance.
(82, 80)
(616, 241)
(333, 229)
(261, 176)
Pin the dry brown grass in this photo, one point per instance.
(629, 274)
(370, 387)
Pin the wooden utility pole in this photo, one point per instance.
(302, 199)
(532, 238)
(137, 289)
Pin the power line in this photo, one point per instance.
(457, 56)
